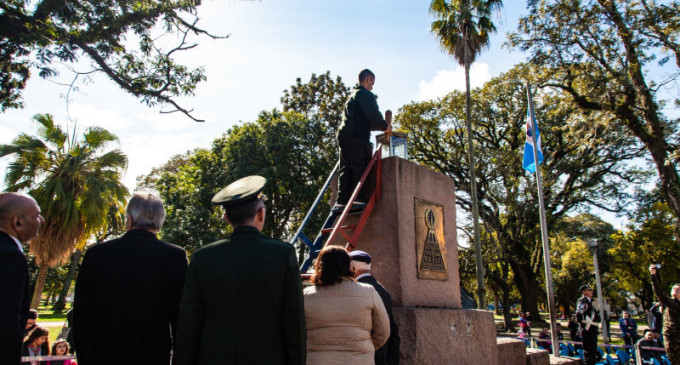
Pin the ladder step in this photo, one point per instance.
(329, 230)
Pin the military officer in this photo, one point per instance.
(587, 317)
(242, 300)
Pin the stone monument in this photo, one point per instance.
(411, 236)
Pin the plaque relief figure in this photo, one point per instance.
(432, 259)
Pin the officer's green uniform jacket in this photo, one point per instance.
(242, 304)
(361, 115)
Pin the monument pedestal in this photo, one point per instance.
(446, 336)
(411, 236)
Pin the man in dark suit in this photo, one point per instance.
(388, 354)
(588, 318)
(20, 221)
(242, 301)
(128, 293)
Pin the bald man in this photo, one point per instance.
(20, 222)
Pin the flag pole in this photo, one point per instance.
(544, 233)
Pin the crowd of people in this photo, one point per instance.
(661, 338)
(240, 300)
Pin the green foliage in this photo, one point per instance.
(46, 33)
(463, 26)
(74, 180)
(284, 147)
(321, 98)
(294, 150)
(647, 240)
(601, 54)
(572, 260)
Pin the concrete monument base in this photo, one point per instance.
(446, 336)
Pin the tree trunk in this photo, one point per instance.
(507, 313)
(481, 292)
(75, 260)
(39, 285)
(528, 287)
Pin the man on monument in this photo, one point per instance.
(242, 301)
(20, 221)
(128, 292)
(587, 317)
(361, 115)
(388, 354)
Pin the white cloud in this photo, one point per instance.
(446, 81)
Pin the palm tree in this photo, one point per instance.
(74, 181)
(463, 28)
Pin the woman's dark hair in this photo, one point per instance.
(332, 266)
(57, 342)
(35, 334)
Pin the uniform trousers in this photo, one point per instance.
(590, 353)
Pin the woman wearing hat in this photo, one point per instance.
(346, 320)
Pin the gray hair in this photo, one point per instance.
(146, 211)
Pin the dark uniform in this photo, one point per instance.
(671, 321)
(361, 116)
(585, 311)
(388, 354)
(242, 301)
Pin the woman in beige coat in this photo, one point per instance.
(346, 320)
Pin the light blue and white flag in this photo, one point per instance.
(529, 163)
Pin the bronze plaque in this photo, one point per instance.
(430, 243)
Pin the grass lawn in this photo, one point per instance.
(52, 321)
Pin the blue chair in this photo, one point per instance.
(623, 356)
(572, 349)
(580, 354)
(564, 353)
(655, 361)
(610, 361)
(665, 359)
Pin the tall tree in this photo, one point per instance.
(294, 150)
(581, 169)
(284, 147)
(44, 34)
(602, 53)
(74, 180)
(572, 261)
(647, 240)
(463, 28)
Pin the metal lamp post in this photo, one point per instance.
(593, 245)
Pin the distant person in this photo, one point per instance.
(20, 221)
(657, 324)
(61, 348)
(544, 339)
(361, 115)
(524, 324)
(649, 340)
(671, 316)
(574, 331)
(628, 329)
(31, 321)
(587, 318)
(649, 316)
(242, 301)
(388, 354)
(521, 334)
(346, 320)
(36, 344)
(129, 288)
